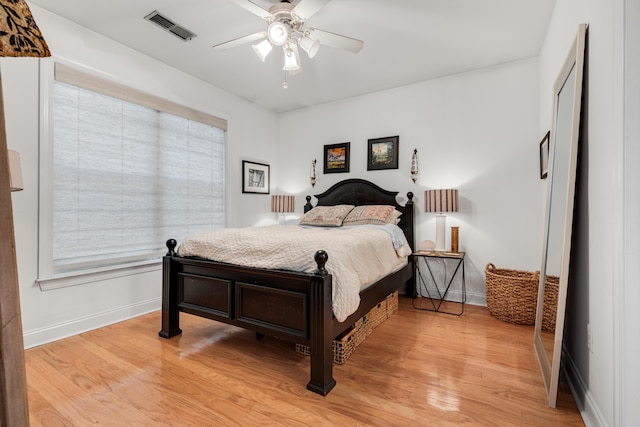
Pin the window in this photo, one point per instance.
(126, 175)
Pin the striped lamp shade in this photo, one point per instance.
(441, 201)
(282, 203)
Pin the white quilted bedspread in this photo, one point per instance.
(357, 255)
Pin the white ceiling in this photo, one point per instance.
(405, 41)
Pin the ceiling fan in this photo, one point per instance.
(286, 28)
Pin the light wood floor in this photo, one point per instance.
(418, 368)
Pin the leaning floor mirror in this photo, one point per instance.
(556, 244)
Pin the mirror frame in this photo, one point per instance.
(551, 368)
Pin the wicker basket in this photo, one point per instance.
(377, 314)
(550, 303)
(383, 310)
(512, 294)
(392, 304)
(345, 344)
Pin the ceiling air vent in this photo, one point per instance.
(168, 25)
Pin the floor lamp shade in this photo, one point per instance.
(440, 201)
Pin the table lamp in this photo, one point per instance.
(282, 204)
(440, 201)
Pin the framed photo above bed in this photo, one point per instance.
(255, 177)
(336, 157)
(383, 153)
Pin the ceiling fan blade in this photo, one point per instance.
(253, 8)
(240, 40)
(307, 8)
(336, 40)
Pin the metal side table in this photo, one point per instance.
(441, 290)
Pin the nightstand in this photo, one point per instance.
(422, 265)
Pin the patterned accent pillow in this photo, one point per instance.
(326, 216)
(394, 218)
(372, 214)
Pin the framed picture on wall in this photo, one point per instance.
(383, 153)
(544, 156)
(255, 177)
(336, 157)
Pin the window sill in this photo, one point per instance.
(90, 276)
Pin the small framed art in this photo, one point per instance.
(544, 156)
(383, 153)
(255, 177)
(336, 157)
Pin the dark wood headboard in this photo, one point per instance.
(361, 192)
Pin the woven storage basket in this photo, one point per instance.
(377, 314)
(550, 303)
(345, 344)
(392, 304)
(383, 310)
(512, 294)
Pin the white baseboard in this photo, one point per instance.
(77, 326)
(589, 410)
(59, 331)
(473, 298)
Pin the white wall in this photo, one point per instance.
(628, 344)
(605, 379)
(252, 135)
(477, 132)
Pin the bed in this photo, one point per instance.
(288, 305)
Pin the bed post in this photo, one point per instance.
(308, 206)
(410, 226)
(321, 341)
(170, 313)
(409, 214)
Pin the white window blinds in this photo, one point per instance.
(128, 176)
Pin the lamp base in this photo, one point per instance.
(283, 217)
(441, 221)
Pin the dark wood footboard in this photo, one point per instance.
(291, 306)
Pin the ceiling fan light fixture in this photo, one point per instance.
(291, 60)
(278, 33)
(286, 28)
(262, 49)
(309, 45)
